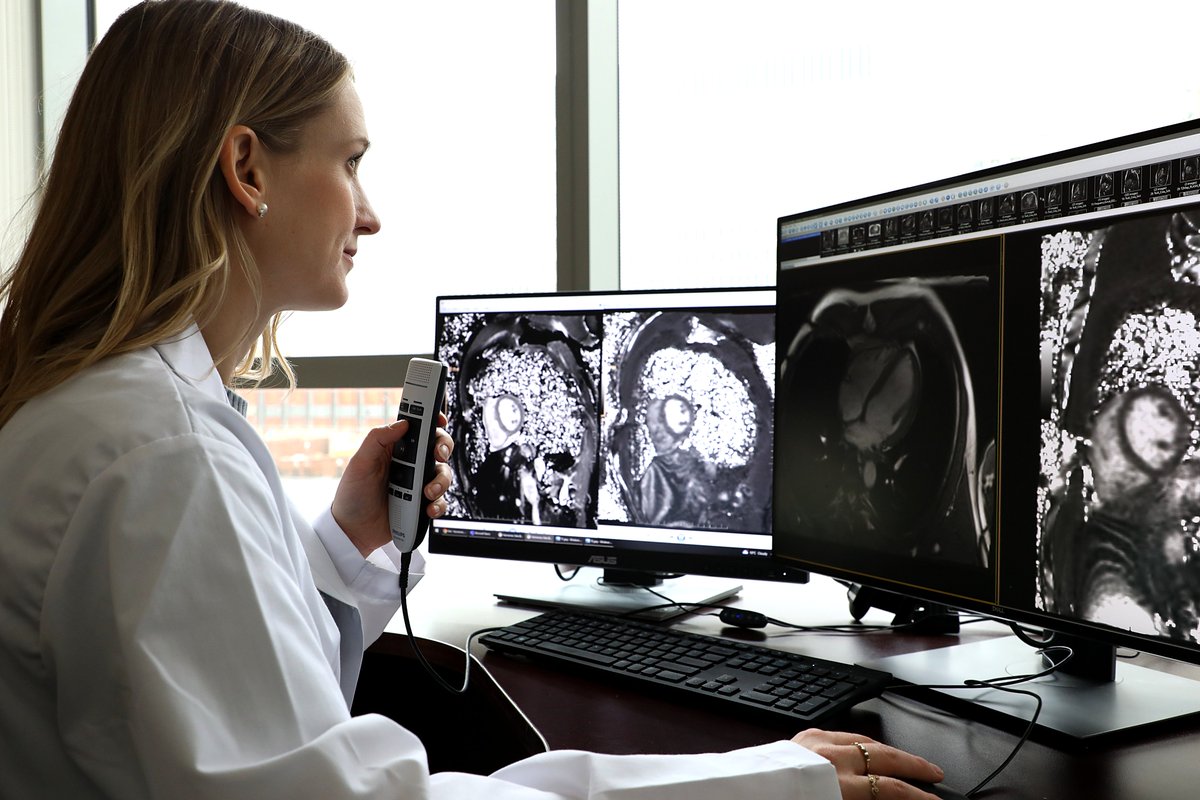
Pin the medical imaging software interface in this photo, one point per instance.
(991, 391)
(612, 420)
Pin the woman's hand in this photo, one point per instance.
(360, 503)
(869, 770)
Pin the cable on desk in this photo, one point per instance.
(857, 628)
(405, 561)
(669, 603)
(851, 628)
(1003, 684)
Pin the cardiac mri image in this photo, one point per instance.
(523, 409)
(885, 421)
(687, 426)
(1119, 496)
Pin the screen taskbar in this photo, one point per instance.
(605, 535)
(1165, 173)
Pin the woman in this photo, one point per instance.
(170, 627)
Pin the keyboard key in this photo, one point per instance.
(568, 650)
(759, 697)
(684, 667)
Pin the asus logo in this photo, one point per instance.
(604, 561)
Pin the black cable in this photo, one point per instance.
(1003, 684)
(636, 613)
(1037, 710)
(1030, 636)
(853, 629)
(857, 628)
(669, 603)
(405, 561)
(558, 571)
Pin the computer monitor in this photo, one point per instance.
(988, 397)
(628, 432)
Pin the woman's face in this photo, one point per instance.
(305, 245)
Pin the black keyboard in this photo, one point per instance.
(739, 675)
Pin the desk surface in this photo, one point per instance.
(573, 711)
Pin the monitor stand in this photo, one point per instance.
(619, 592)
(1076, 710)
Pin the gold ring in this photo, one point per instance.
(874, 779)
(862, 748)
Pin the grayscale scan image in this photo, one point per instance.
(687, 426)
(1119, 499)
(523, 409)
(887, 417)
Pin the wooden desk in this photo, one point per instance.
(572, 710)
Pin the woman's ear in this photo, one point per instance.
(242, 164)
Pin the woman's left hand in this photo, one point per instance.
(360, 503)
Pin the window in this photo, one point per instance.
(734, 114)
(311, 434)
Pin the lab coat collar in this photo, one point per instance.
(189, 357)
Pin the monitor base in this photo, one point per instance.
(1074, 709)
(587, 591)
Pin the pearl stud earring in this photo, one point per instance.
(262, 210)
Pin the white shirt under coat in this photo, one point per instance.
(162, 634)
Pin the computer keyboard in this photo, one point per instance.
(739, 675)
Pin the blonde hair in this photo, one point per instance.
(133, 236)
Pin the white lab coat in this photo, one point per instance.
(162, 634)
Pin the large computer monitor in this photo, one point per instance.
(988, 397)
(626, 432)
